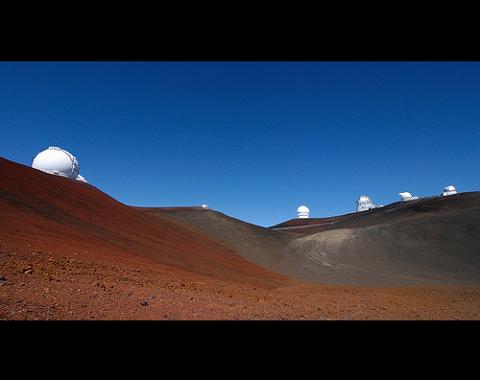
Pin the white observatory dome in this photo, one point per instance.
(449, 190)
(364, 199)
(364, 203)
(58, 161)
(303, 212)
(406, 196)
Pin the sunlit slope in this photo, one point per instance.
(39, 210)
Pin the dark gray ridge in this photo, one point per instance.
(430, 241)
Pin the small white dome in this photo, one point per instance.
(303, 209)
(303, 212)
(406, 196)
(57, 161)
(449, 190)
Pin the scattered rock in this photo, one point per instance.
(28, 271)
(144, 303)
(2, 278)
(96, 284)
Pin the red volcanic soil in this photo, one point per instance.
(69, 251)
(55, 213)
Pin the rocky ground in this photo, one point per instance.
(46, 286)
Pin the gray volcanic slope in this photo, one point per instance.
(427, 241)
(266, 247)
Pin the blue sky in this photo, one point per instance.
(251, 139)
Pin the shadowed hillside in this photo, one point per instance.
(426, 241)
(266, 247)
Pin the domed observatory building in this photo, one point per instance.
(364, 203)
(58, 161)
(303, 212)
(406, 196)
(449, 190)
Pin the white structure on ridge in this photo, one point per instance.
(81, 179)
(406, 196)
(303, 212)
(449, 190)
(204, 206)
(364, 203)
(58, 161)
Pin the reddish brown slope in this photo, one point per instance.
(60, 215)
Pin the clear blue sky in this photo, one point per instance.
(251, 139)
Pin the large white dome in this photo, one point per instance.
(57, 161)
(303, 212)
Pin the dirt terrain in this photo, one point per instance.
(432, 241)
(69, 251)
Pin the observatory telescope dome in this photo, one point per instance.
(449, 190)
(57, 161)
(406, 196)
(303, 212)
(364, 198)
(364, 203)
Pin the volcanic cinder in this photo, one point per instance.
(69, 251)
